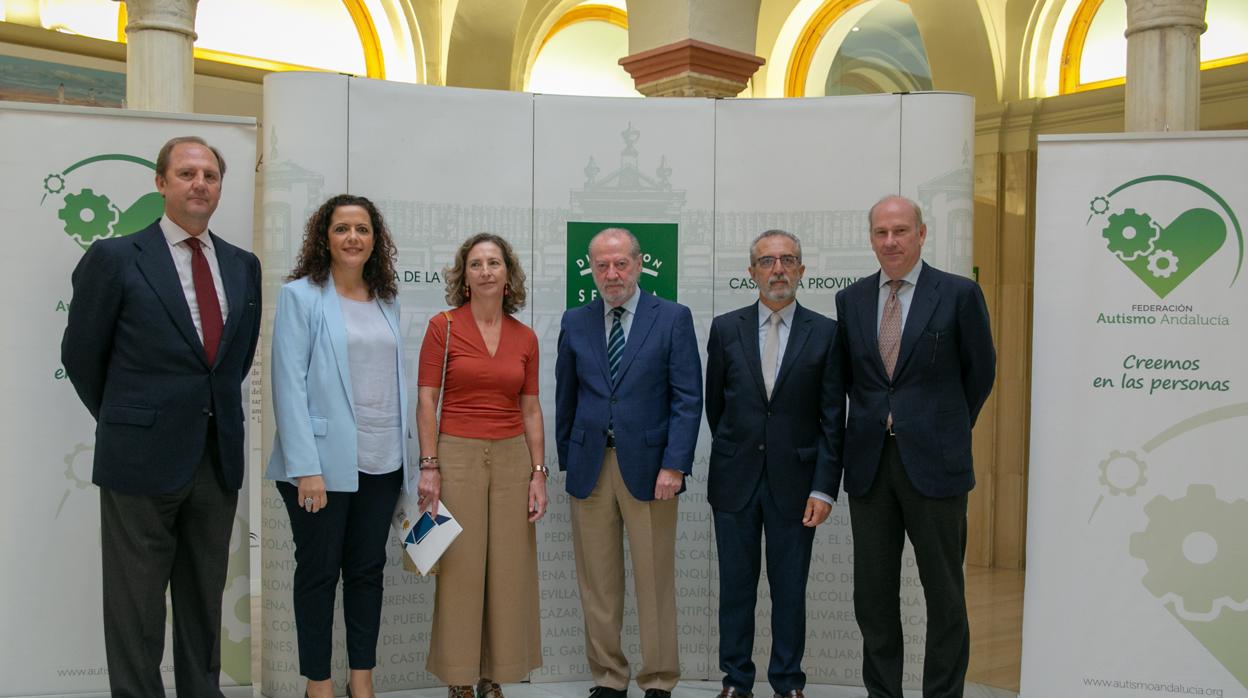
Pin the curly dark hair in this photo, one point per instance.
(314, 258)
(457, 287)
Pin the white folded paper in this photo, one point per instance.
(424, 536)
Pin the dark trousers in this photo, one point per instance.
(881, 519)
(739, 540)
(179, 541)
(347, 536)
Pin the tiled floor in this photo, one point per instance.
(686, 689)
(994, 602)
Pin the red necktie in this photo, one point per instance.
(206, 298)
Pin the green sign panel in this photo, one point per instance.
(660, 244)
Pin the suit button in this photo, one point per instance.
(207, 411)
(614, 400)
(890, 390)
(768, 413)
(762, 447)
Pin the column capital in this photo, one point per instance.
(1143, 15)
(691, 68)
(176, 16)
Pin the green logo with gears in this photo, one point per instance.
(1164, 256)
(1193, 547)
(88, 215)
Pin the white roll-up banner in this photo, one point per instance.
(70, 176)
(1137, 558)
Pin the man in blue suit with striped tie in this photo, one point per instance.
(628, 406)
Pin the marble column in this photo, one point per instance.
(1163, 64)
(160, 67)
(691, 48)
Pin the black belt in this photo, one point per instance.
(610, 440)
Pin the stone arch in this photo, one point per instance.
(480, 38)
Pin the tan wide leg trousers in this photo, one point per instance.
(485, 615)
(598, 525)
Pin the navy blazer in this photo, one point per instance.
(655, 406)
(945, 369)
(131, 351)
(794, 439)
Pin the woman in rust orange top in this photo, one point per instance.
(486, 462)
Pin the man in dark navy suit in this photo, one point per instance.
(776, 409)
(919, 364)
(160, 336)
(628, 406)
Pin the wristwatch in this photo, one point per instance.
(541, 468)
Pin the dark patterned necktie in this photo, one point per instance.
(615, 343)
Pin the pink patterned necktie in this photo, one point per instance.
(890, 328)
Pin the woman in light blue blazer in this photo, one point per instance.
(340, 455)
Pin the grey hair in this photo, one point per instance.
(918, 212)
(775, 232)
(634, 247)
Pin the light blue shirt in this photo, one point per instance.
(786, 324)
(630, 311)
(904, 295)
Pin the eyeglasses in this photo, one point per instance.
(788, 261)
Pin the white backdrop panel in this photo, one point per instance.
(444, 163)
(937, 130)
(69, 176)
(1137, 574)
(305, 162)
(626, 162)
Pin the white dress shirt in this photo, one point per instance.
(626, 320)
(176, 237)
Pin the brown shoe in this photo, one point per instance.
(734, 692)
(795, 693)
(488, 689)
(459, 692)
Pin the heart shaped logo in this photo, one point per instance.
(1164, 257)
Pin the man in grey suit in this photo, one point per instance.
(919, 364)
(160, 335)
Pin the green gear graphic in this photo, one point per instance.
(83, 227)
(1130, 234)
(1163, 271)
(1135, 462)
(1160, 545)
(1099, 205)
(54, 183)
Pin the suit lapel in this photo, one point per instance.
(747, 328)
(331, 311)
(868, 309)
(598, 336)
(798, 334)
(234, 278)
(922, 305)
(647, 313)
(155, 262)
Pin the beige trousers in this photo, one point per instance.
(598, 525)
(485, 614)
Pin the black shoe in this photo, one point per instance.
(605, 692)
(734, 692)
(657, 693)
